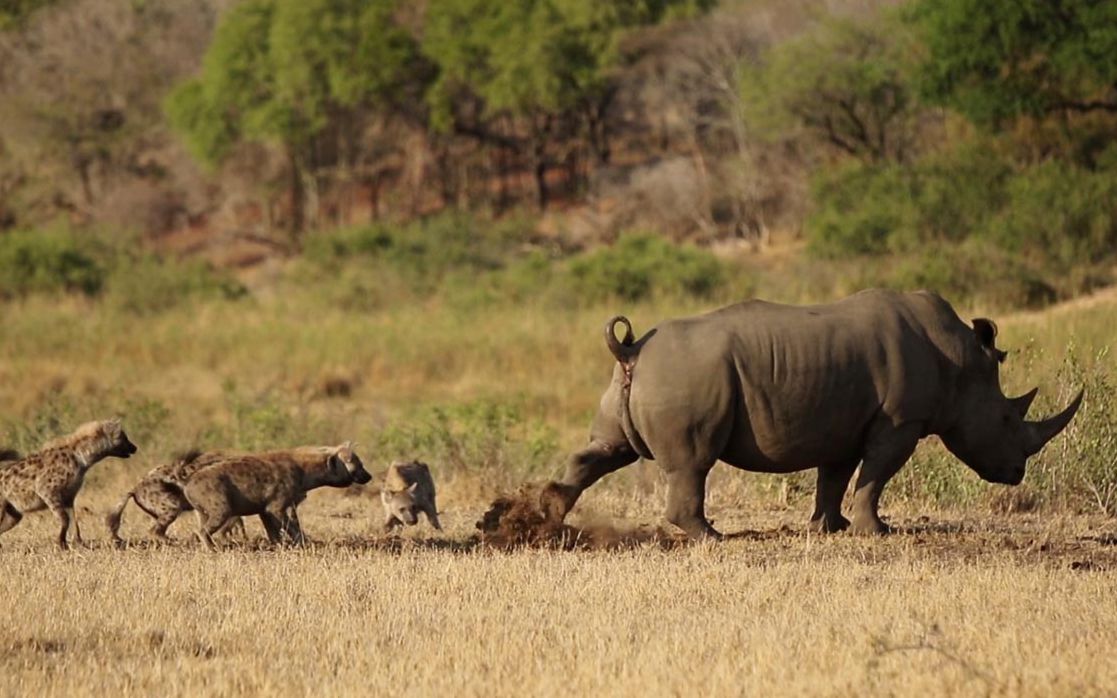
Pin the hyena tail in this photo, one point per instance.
(112, 519)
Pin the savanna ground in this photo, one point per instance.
(984, 590)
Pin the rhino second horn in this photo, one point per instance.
(1041, 432)
(1022, 403)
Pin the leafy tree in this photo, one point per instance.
(996, 60)
(544, 65)
(14, 12)
(81, 85)
(844, 84)
(297, 73)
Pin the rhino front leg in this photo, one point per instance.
(585, 468)
(885, 453)
(832, 483)
(686, 501)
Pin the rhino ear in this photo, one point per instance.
(986, 331)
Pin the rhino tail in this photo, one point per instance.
(622, 349)
(625, 351)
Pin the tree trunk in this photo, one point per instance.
(298, 196)
(539, 160)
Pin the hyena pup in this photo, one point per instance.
(51, 477)
(160, 495)
(408, 489)
(270, 485)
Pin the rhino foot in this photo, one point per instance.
(870, 527)
(556, 500)
(824, 523)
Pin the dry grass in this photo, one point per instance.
(962, 602)
(1007, 606)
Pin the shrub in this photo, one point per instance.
(421, 253)
(148, 284)
(47, 261)
(472, 437)
(640, 265)
(1063, 213)
(971, 271)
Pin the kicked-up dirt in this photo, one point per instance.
(518, 520)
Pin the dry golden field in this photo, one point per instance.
(976, 605)
(984, 591)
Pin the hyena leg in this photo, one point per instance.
(236, 523)
(391, 522)
(9, 516)
(432, 515)
(272, 526)
(294, 529)
(63, 514)
(74, 523)
(207, 526)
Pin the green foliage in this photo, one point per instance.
(873, 209)
(996, 60)
(972, 223)
(639, 266)
(1064, 213)
(14, 12)
(845, 83)
(47, 261)
(472, 437)
(528, 57)
(420, 253)
(283, 71)
(147, 284)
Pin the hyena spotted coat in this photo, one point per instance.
(408, 489)
(51, 477)
(160, 495)
(270, 485)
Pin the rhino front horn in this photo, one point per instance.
(1041, 432)
(1022, 403)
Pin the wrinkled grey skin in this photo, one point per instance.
(777, 389)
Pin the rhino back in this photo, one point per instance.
(790, 387)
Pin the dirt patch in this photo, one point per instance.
(517, 520)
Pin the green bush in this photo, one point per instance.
(639, 266)
(472, 437)
(421, 253)
(47, 261)
(871, 209)
(1064, 213)
(971, 271)
(148, 284)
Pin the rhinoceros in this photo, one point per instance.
(777, 388)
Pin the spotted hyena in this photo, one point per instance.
(408, 489)
(270, 485)
(51, 477)
(160, 494)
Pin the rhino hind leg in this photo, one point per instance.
(832, 483)
(686, 501)
(886, 452)
(584, 468)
